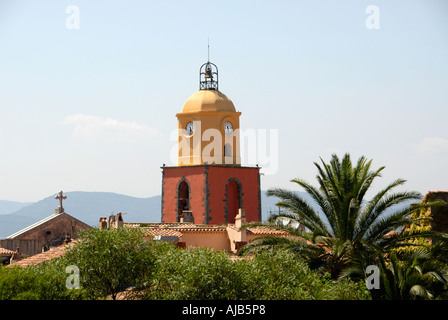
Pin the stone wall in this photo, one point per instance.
(27, 247)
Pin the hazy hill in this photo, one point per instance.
(85, 206)
(90, 206)
(7, 207)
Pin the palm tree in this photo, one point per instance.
(417, 276)
(346, 228)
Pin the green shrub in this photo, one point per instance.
(280, 274)
(111, 260)
(194, 274)
(45, 281)
(202, 274)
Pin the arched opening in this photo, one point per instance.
(233, 200)
(183, 202)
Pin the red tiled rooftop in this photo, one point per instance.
(162, 232)
(156, 229)
(44, 256)
(5, 252)
(265, 231)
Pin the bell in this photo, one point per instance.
(208, 73)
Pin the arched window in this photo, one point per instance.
(183, 201)
(233, 199)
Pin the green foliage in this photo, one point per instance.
(45, 281)
(346, 228)
(182, 274)
(415, 276)
(110, 261)
(206, 274)
(347, 233)
(195, 274)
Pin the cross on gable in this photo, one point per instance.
(60, 197)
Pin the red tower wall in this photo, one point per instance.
(208, 192)
(171, 178)
(247, 177)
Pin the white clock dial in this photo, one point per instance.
(190, 128)
(228, 127)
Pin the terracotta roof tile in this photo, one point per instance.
(44, 256)
(265, 231)
(162, 232)
(199, 228)
(156, 224)
(175, 228)
(5, 252)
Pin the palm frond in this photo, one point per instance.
(380, 203)
(321, 201)
(296, 204)
(420, 291)
(379, 228)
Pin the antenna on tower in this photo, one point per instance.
(208, 49)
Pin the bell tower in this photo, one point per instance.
(208, 125)
(208, 185)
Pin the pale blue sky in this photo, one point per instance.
(92, 109)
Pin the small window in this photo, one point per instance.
(227, 150)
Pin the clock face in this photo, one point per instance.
(228, 127)
(190, 128)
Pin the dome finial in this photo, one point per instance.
(208, 73)
(208, 76)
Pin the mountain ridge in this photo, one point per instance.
(7, 207)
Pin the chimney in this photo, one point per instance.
(238, 237)
(116, 221)
(119, 220)
(16, 256)
(103, 223)
(240, 218)
(112, 221)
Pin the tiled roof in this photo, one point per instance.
(5, 252)
(176, 227)
(154, 224)
(260, 230)
(44, 256)
(157, 229)
(266, 231)
(162, 232)
(200, 229)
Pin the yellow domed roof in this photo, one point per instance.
(208, 101)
